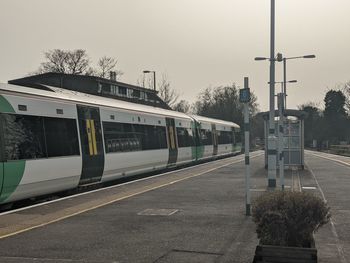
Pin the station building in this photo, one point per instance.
(109, 88)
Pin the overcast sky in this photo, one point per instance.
(197, 43)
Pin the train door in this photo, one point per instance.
(91, 144)
(172, 142)
(215, 139)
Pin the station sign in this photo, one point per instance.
(244, 95)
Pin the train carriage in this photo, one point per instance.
(52, 139)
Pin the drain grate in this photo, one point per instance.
(189, 256)
(309, 187)
(157, 212)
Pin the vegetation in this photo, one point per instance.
(76, 62)
(286, 218)
(223, 103)
(331, 125)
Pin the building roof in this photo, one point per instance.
(95, 86)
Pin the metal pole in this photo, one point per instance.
(280, 97)
(246, 150)
(272, 138)
(285, 81)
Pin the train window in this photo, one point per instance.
(238, 136)
(133, 137)
(33, 137)
(225, 137)
(184, 137)
(61, 137)
(206, 137)
(24, 137)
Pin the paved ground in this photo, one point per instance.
(194, 215)
(331, 175)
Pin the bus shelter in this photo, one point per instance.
(293, 137)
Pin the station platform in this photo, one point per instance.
(195, 214)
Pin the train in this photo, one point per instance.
(55, 139)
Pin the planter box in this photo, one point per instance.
(279, 254)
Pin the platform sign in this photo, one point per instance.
(244, 95)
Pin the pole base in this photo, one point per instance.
(272, 183)
(247, 209)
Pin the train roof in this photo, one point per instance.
(79, 97)
(211, 120)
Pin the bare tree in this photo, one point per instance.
(107, 64)
(76, 62)
(166, 92)
(65, 61)
(182, 106)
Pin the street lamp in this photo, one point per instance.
(280, 58)
(154, 77)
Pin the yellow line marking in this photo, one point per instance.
(88, 131)
(121, 198)
(331, 159)
(93, 135)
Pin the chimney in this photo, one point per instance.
(113, 75)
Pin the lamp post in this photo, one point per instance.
(271, 139)
(154, 77)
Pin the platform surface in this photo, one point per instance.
(192, 215)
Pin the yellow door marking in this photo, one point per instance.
(122, 198)
(171, 134)
(93, 135)
(88, 131)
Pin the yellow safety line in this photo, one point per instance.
(93, 135)
(88, 130)
(119, 199)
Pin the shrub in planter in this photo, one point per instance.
(285, 218)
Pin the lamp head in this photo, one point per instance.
(260, 58)
(309, 56)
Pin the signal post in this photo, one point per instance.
(244, 97)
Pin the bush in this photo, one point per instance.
(285, 218)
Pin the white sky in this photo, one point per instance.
(197, 43)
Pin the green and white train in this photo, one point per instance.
(55, 139)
